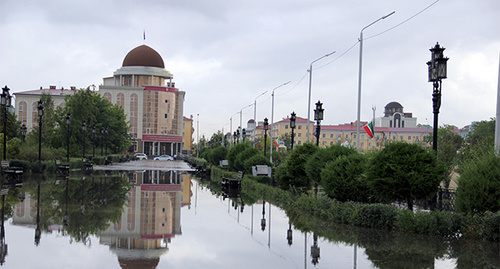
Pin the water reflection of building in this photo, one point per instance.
(151, 218)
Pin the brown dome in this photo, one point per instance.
(143, 56)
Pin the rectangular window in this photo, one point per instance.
(166, 116)
(331, 136)
(323, 135)
(299, 134)
(300, 127)
(286, 126)
(166, 101)
(409, 138)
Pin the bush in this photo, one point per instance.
(321, 157)
(490, 226)
(233, 153)
(295, 173)
(479, 184)
(217, 154)
(239, 163)
(378, 216)
(342, 178)
(257, 159)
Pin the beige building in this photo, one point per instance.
(26, 103)
(187, 134)
(152, 103)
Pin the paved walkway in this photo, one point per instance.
(147, 165)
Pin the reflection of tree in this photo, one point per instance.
(88, 203)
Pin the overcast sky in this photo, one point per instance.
(224, 54)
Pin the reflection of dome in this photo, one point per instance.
(143, 56)
(139, 263)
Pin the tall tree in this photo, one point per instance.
(404, 171)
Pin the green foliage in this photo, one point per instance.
(318, 160)
(404, 171)
(378, 216)
(217, 154)
(233, 153)
(243, 156)
(257, 159)
(449, 145)
(295, 173)
(343, 179)
(479, 184)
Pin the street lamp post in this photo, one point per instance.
(84, 128)
(292, 126)
(234, 137)
(437, 72)
(255, 114)
(68, 122)
(23, 131)
(359, 75)
(318, 117)
(102, 137)
(272, 120)
(5, 102)
(266, 127)
(106, 141)
(40, 115)
(309, 100)
(93, 141)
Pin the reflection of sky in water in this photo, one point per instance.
(213, 235)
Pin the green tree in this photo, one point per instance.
(317, 161)
(257, 159)
(233, 153)
(295, 173)
(217, 154)
(480, 140)
(404, 171)
(479, 184)
(248, 153)
(342, 178)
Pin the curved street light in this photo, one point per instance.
(360, 69)
(272, 120)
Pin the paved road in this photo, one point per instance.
(147, 165)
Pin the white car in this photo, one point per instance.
(163, 158)
(141, 156)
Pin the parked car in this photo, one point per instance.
(141, 156)
(163, 158)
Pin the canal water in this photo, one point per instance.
(168, 219)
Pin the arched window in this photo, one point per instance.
(34, 114)
(134, 109)
(120, 100)
(22, 111)
(107, 95)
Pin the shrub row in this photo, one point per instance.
(380, 216)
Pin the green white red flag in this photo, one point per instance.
(369, 129)
(277, 143)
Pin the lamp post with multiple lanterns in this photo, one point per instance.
(437, 72)
(40, 115)
(5, 102)
(318, 117)
(68, 122)
(23, 131)
(292, 126)
(84, 128)
(266, 127)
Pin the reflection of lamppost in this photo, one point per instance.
(23, 131)
(3, 245)
(437, 71)
(68, 122)
(289, 234)
(318, 117)
(266, 127)
(40, 114)
(5, 102)
(292, 126)
(84, 129)
(315, 250)
(38, 232)
(263, 220)
(93, 141)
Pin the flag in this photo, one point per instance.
(256, 143)
(314, 134)
(277, 142)
(144, 34)
(369, 129)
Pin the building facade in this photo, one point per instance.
(149, 98)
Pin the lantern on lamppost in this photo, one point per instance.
(234, 137)
(266, 127)
(293, 118)
(437, 71)
(68, 122)
(23, 131)
(318, 117)
(40, 115)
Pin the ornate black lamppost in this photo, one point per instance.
(234, 137)
(23, 131)
(437, 71)
(238, 135)
(102, 137)
(5, 102)
(244, 134)
(84, 128)
(93, 141)
(106, 141)
(318, 117)
(292, 126)
(266, 127)
(40, 115)
(68, 122)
